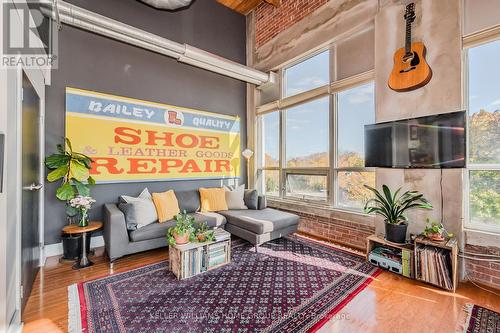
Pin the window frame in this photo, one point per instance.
(470, 42)
(286, 102)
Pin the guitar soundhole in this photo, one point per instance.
(415, 60)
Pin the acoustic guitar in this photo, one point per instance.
(410, 70)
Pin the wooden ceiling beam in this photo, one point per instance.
(246, 6)
(275, 3)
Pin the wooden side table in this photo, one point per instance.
(74, 229)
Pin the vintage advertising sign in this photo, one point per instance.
(133, 140)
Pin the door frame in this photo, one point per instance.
(37, 80)
(11, 84)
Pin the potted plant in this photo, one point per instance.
(393, 208)
(73, 170)
(435, 231)
(203, 234)
(183, 231)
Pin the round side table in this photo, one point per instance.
(74, 229)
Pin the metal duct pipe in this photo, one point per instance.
(214, 60)
(92, 18)
(168, 4)
(90, 21)
(116, 35)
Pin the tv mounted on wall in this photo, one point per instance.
(436, 141)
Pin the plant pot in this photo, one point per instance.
(72, 246)
(396, 233)
(435, 237)
(181, 239)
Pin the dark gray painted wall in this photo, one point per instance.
(93, 62)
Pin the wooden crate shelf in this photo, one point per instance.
(448, 246)
(191, 259)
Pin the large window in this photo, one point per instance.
(307, 134)
(307, 75)
(270, 146)
(317, 137)
(355, 108)
(484, 137)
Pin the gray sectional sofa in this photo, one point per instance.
(258, 224)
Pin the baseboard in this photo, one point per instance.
(52, 250)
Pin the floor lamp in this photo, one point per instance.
(247, 154)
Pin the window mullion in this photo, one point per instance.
(332, 188)
(282, 161)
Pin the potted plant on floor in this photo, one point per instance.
(72, 169)
(183, 231)
(393, 208)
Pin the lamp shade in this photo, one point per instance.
(247, 153)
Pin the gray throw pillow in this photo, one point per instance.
(139, 211)
(251, 199)
(189, 201)
(128, 210)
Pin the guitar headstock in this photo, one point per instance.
(410, 12)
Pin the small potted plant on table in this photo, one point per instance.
(393, 208)
(203, 234)
(183, 231)
(435, 231)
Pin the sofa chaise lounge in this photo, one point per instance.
(258, 224)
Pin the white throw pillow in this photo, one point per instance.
(144, 208)
(234, 197)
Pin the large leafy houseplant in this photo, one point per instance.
(72, 169)
(393, 208)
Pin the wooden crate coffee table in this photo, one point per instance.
(191, 259)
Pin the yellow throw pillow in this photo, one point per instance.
(213, 199)
(166, 205)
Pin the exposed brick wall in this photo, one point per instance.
(270, 21)
(484, 272)
(347, 233)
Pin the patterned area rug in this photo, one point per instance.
(481, 320)
(289, 286)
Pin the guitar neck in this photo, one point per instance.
(408, 37)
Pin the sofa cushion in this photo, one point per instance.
(139, 211)
(234, 197)
(213, 199)
(260, 221)
(166, 205)
(214, 220)
(158, 230)
(189, 201)
(151, 231)
(251, 199)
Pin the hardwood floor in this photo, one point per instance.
(389, 304)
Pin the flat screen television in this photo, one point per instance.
(436, 141)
